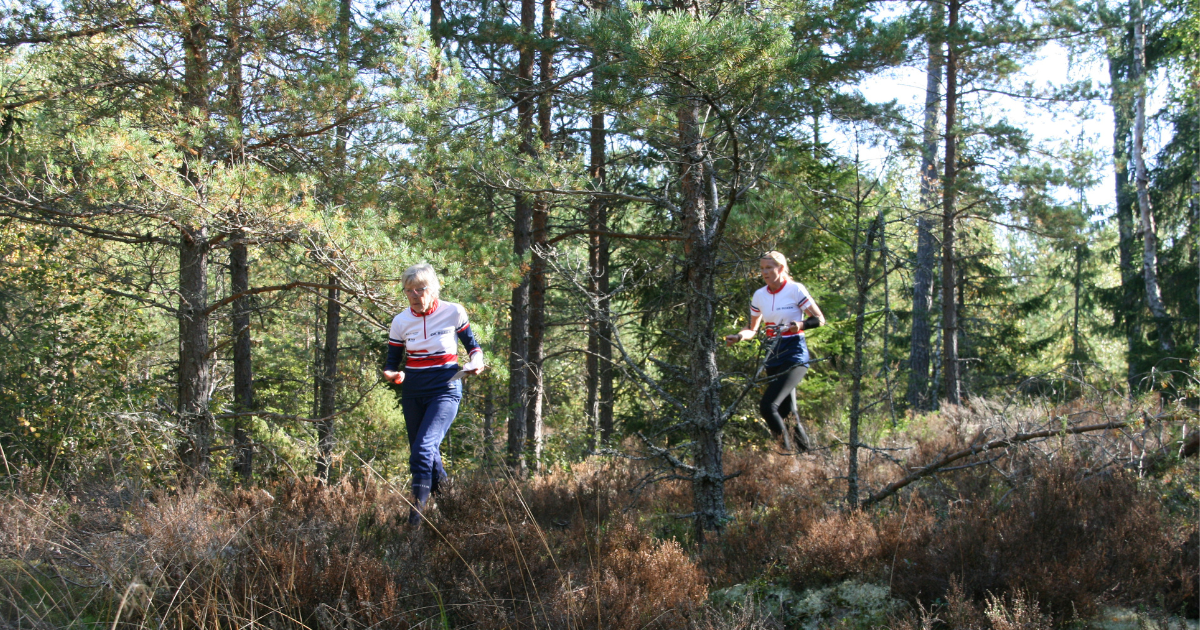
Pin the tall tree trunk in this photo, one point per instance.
(599, 366)
(1154, 300)
(862, 284)
(436, 16)
(887, 320)
(703, 402)
(333, 307)
(318, 349)
(545, 111)
(950, 368)
(541, 245)
(599, 359)
(918, 380)
(329, 383)
(243, 374)
(537, 336)
(195, 363)
(1128, 316)
(234, 108)
(195, 366)
(607, 426)
(1076, 345)
(518, 358)
(489, 421)
(239, 265)
(963, 342)
(1195, 204)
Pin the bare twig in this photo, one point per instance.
(980, 448)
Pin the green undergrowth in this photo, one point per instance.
(43, 594)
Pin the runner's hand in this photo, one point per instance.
(393, 377)
(736, 337)
(475, 365)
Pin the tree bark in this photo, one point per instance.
(437, 15)
(329, 384)
(962, 342)
(599, 359)
(195, 364)
(703, 404)
(489, 421)
(546, 74)
(537, 336)
(950, 367)
(1154, 300)
(518, 360)
(243, 374)
(540, 248)
(918, 380)
(1195, 204)
(518, 351)
(1076, 345)
(328, 388)
(239, 266)
(233, 8)
(862, 284)
(1128, 317)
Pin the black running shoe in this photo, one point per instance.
(800, 439)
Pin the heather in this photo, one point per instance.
(1042, 535)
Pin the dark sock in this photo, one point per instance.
(421, 492)
(437, 485)
(420, 499)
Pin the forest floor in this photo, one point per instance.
(1071, 531)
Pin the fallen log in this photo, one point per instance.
(981, 448)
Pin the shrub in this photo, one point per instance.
(341, 556)
(1064, 539)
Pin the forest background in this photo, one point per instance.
(206, 206)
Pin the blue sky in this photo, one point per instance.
(1087, 123)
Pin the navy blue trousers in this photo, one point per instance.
(427, 419)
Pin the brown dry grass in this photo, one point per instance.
(1030, 540)
(311, 556)
(1043, 533)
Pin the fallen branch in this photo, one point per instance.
(1156, 462)
(980, 448)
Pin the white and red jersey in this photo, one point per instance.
(429, 343)
(783, 307)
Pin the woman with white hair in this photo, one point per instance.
(424, 336)
(788, 310)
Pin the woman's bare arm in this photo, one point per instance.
(745, 333)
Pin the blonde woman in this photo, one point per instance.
(425, 336)
(788, 310)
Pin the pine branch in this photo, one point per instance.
(50, 38)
